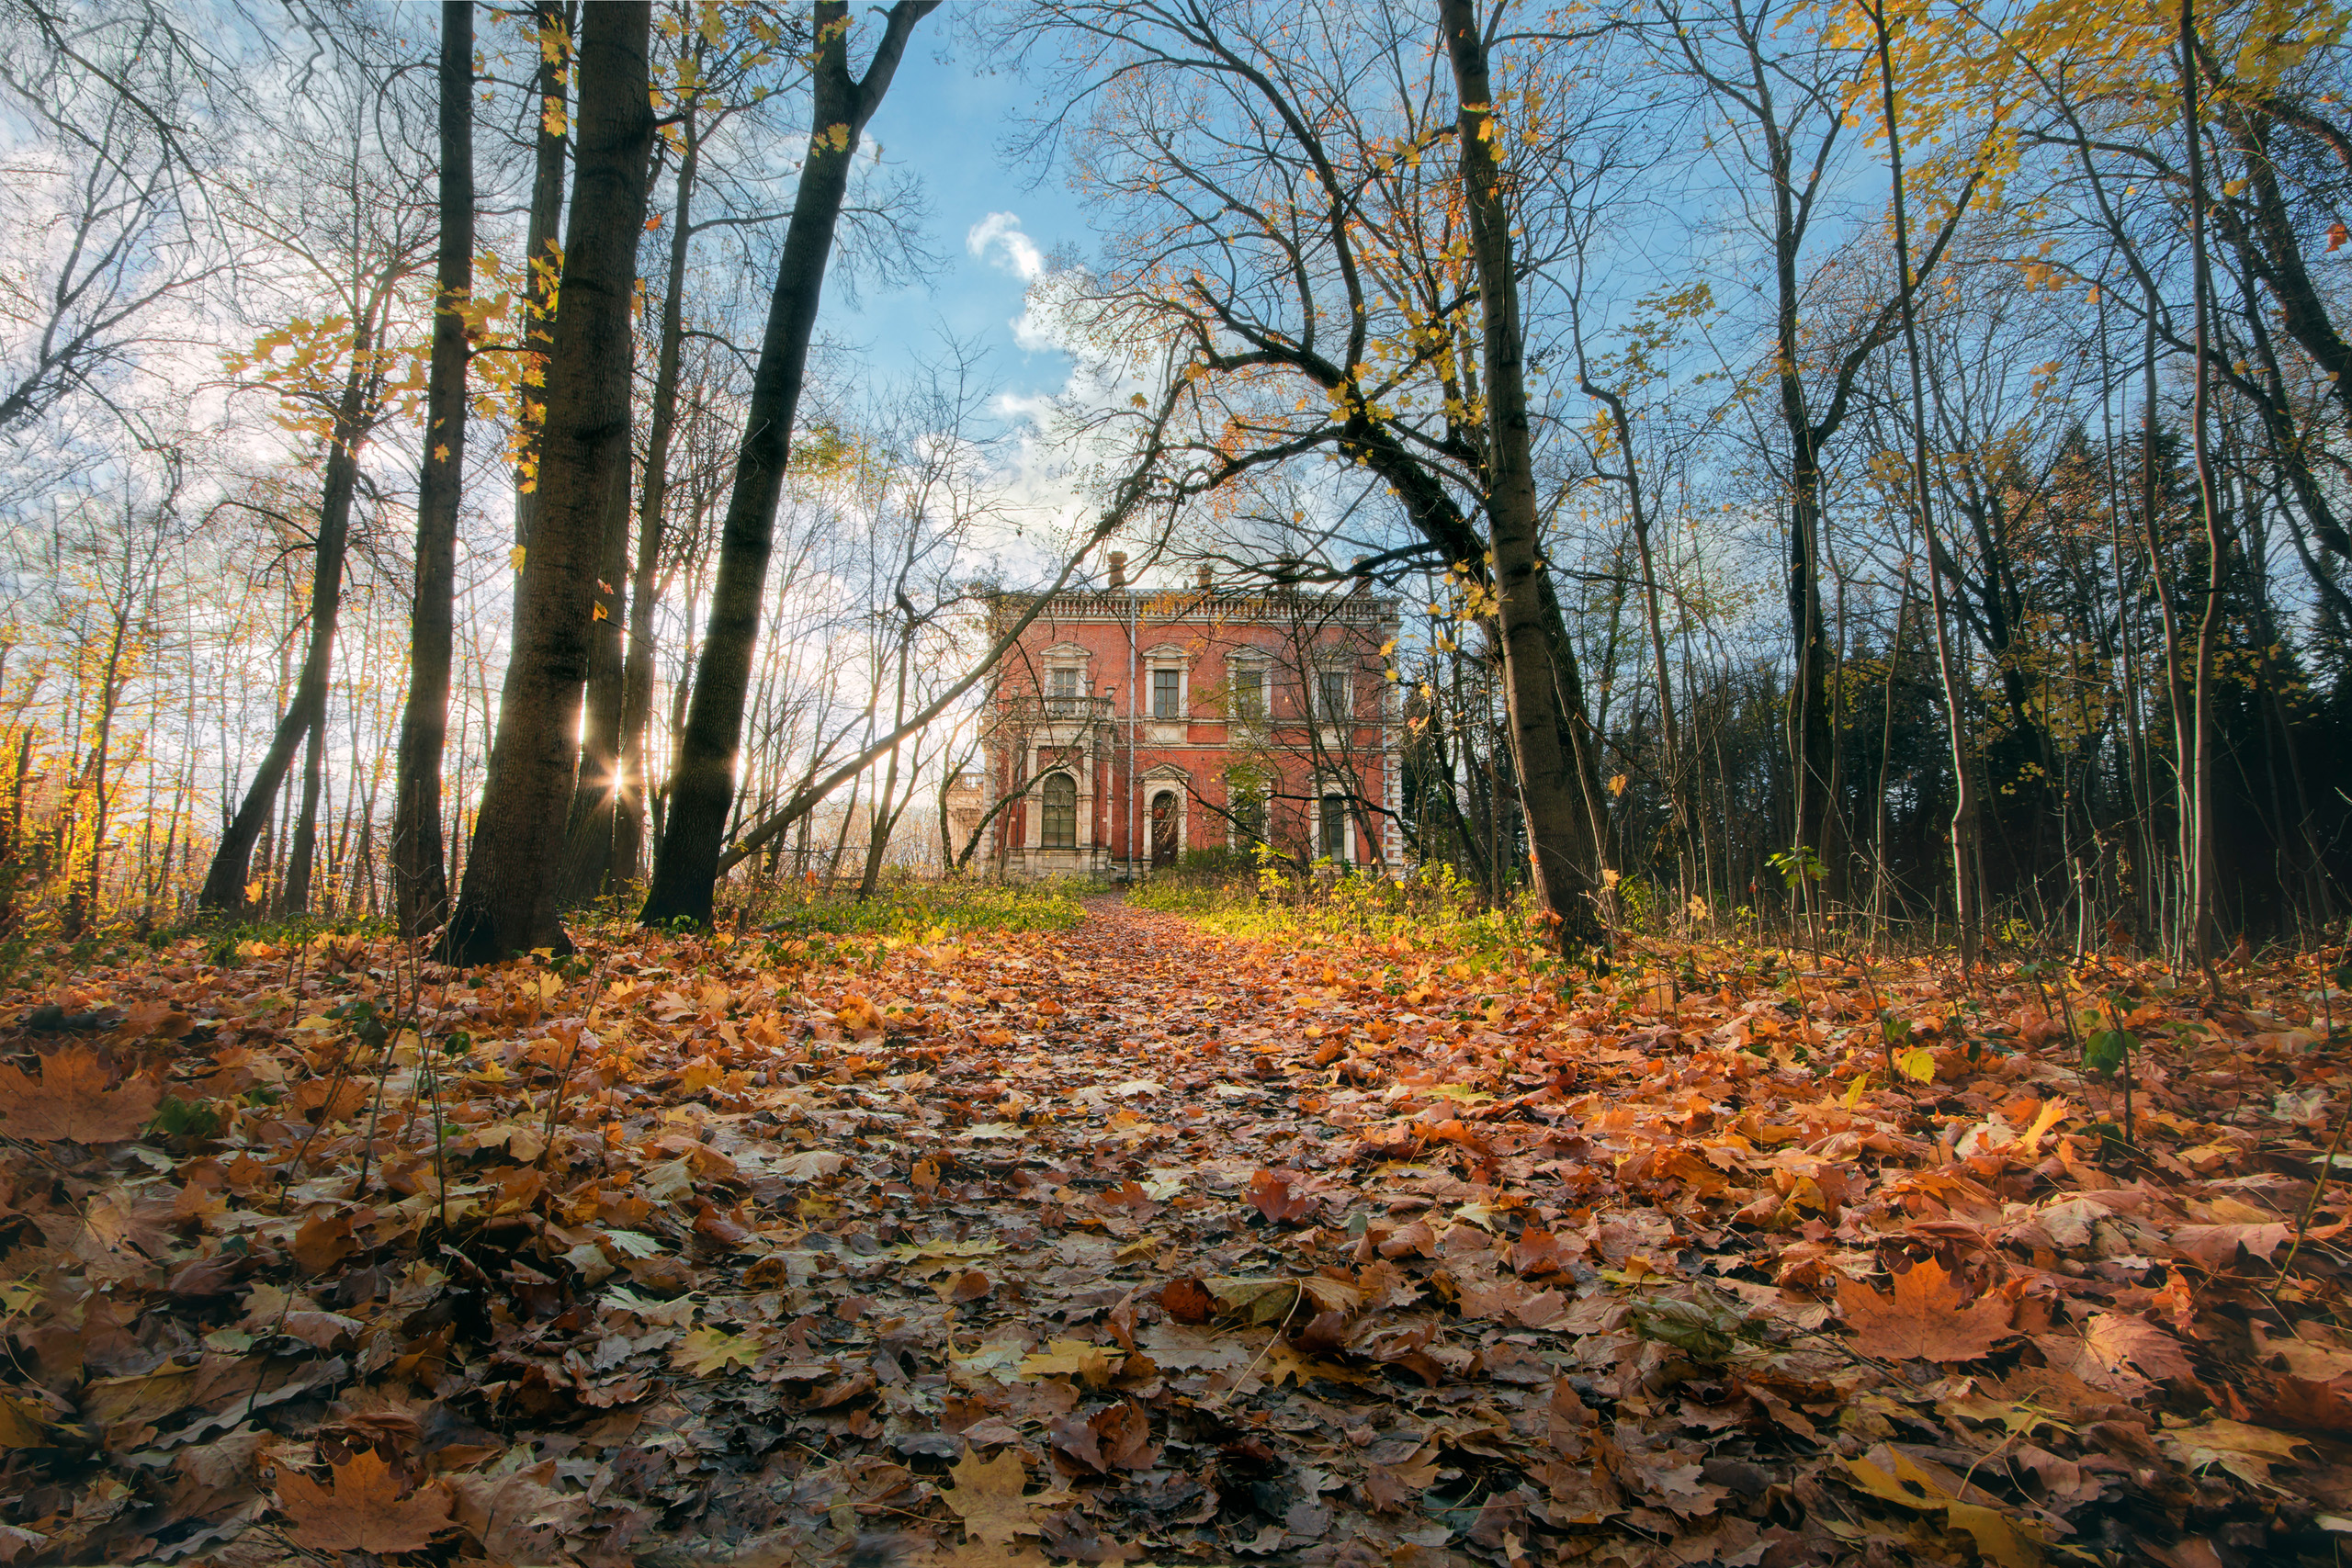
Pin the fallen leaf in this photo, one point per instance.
(2245, 1451)
(986, 1495)
(75, 1100)
(1929, 1317)
(362, 1509)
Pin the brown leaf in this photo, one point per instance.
(1188, 1300)
(2216, 1246)
(1930, 1318)
(363, 1509)
(2118, 1340)
(75, 1100)
(1074, 1438)
(323, 1241)
(1272, 1194)
(986, 1496)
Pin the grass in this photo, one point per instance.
(1431, 911)
(912, 911)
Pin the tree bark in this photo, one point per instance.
(637, 667)
(507, 902)
(1563, 854)
(686, 867)
(1965, 915)
(2199, 853)
(420, 877)
(588, 838)
(224, 883)
(555, 21)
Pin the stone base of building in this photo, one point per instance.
(1091, 861)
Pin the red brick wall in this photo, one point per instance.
(1124, 754)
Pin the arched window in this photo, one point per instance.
(1058, 828)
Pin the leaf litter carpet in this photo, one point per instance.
(1131, 1244)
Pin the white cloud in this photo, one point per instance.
(1001, 231)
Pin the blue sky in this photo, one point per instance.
(949, 123)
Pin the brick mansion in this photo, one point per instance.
(1129, 728)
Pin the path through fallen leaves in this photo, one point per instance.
(1129, 1244)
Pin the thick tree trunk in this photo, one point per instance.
(1563, 854)
(686, 868)
(556, 22)
(588, 840)
(420, 877)
(224, 883)
(507, 902)
(637, 667)
(294, 899)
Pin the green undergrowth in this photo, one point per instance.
(1428, 912)
(919, 911)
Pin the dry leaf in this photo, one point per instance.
(73, 1101)
(1929, 1317)
(986, 1495)
(362, 1510)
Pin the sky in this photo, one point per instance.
(993, 222)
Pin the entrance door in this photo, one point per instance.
(1163, 828)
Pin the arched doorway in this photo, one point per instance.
(1163, 828)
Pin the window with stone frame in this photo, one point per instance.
(1334, 695)
(1167, 693)
(1334, 825)
(1248, 683)
(1247, 805)
(1064, 692)
(1057, 821)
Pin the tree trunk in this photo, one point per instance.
(556, 22)
(588, 838)
(303, 848)
(686, 868)
(1563, 853)
(637, 667)
(420, 877)
(2199, 853)
(224, 883)
(507, 902)
(1965, 915)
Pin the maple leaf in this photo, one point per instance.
(363, 1509)
(73, 1101)
(707, 1352)
(1271, 1194)
(987, 1497)
(2246, 1452)
(2119, 1339)
(1069, 1359)
(1929, 1317)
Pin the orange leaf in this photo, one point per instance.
(1930, 1318)
(72, 1101)
(364, 1510)
(1271, 1195)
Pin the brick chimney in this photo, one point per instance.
(1118, 568)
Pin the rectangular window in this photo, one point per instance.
(1064, 692)
(1249, 694)
(1335, 827)
(1249, 817)
(1334, 699)
(1166, 687)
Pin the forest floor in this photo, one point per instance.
(1130, 1243)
